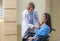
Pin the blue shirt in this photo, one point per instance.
(43, 30)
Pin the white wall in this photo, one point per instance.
(40, 6)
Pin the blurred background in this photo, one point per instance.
(11, 17)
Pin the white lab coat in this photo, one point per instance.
(26, 21)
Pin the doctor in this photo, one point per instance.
(30, 18)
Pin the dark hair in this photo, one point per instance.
(31, 4)
(48, 22)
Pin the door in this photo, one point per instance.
(10, 25)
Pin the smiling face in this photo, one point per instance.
(43, 19)
(46, 19)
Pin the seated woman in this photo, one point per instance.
(42, 30)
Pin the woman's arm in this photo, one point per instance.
(36, 16)
(30, 38)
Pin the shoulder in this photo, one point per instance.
(35, 11)
(47, 27)
(25, 12)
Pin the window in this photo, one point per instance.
(1, 10)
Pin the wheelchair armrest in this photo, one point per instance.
(40, 37)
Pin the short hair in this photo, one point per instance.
(31, 4)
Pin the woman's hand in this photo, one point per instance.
(30, 38)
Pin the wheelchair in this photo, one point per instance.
(30, 34)
(43, 38)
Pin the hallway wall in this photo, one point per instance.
(53, 7)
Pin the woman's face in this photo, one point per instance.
(43, 19)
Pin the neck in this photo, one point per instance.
(42, 24)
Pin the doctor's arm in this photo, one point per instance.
(37, 17)
(26, 18)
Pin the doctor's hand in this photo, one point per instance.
(36, 26)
